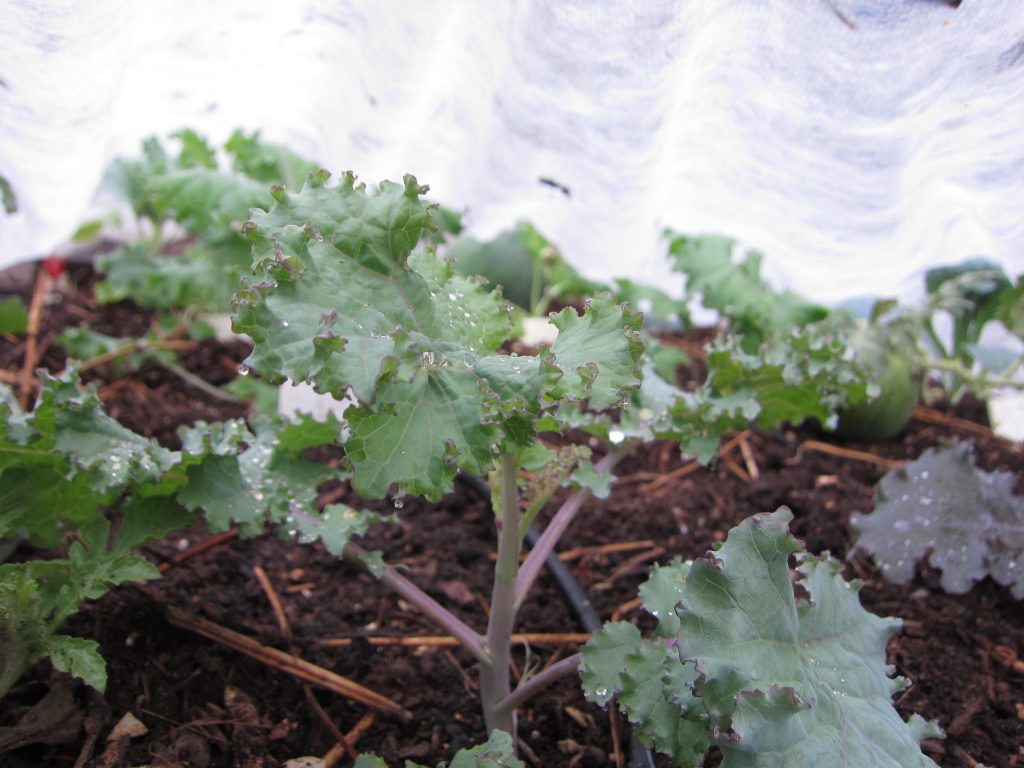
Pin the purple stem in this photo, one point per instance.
(546, 543)
(537, 683)
(471, 640)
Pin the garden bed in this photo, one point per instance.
(204, 704)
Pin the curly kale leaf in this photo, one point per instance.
(346, 303)
(966, 521)
(771, 678)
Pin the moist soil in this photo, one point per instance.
(204, 705)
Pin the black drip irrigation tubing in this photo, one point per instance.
(572, 592)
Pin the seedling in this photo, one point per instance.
(345, 300)
(967, 522)
(740, 662)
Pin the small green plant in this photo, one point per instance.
(193, 203)
(739, 661)
(75, 480)
(349, 294)
(971, 295)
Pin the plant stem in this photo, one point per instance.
(565, 514)
(537, 683)
(494, 676)
(958, 368)
(433, 610)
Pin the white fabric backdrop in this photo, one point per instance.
(854, 141)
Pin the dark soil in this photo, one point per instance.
(205, 705)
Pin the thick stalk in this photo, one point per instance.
(433, 610)
(546, 543)
(494, 679)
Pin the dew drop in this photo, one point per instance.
(616, 436)
(243, 370)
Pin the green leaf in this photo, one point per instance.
(267, 162)
(13, 316)
(78, 657)
(8, 200)
(205, 275)
(43, 502)
(202, 198)
(807, 374)
(345, 303)
(496, 752)
(434, 422)
(1009, 309)
(799, 682)
(669, 717)
(600, 352)
(256, 479)
(967, 522)
(653, 303)
(338, 304)
(654, 689)
(662, 592)
(604, 658)
(67, 457)
(195, 151)
(735, 289)
(111, 454)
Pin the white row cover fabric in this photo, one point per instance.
(855, 142)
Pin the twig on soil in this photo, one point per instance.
(447, 641)
(578, 553)
(626, 608)
(735, 468)
(613, 721)
(334, 754)
(214, 541)
(26, 380)
(629, 566)
(661, 479)
(963, 720)
(340, 739)
(307, 691)
(286, 662)
(962, 754)
(845, 453)
(748, 457)
(131, 348)
(932, 416)
(467, 681)
(275, 603)
(198, 382)
(675, 474)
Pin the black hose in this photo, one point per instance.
(639, 755)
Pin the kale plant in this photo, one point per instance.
(740, 661)
(966, 521)
(349, 294)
